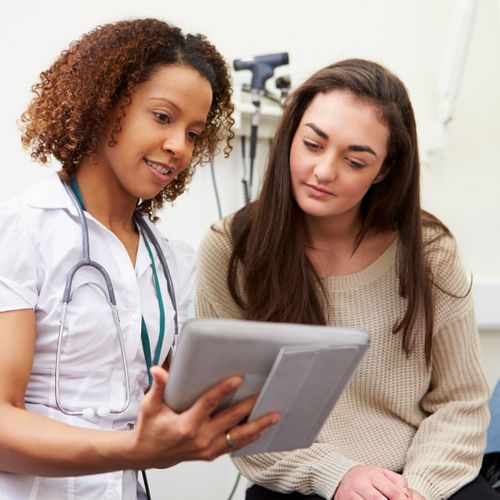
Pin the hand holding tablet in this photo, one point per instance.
(297, 370)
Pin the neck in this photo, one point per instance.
(105, 198)
(323, 232)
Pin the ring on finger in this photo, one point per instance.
(229, 441)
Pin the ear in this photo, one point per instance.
(381, 175)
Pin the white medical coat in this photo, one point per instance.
(40, 240)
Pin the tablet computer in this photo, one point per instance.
(212, 349)
(297, 370)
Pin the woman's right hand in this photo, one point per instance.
(163, 438)
(368, 481)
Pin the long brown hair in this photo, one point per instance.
(75, 96)
(269, 237)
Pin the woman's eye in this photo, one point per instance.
(312, 146)
(194, 136)
(162, 117)
(355, 164)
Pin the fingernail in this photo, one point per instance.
(276, 419)
(235, 382)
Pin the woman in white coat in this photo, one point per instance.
(128, 111)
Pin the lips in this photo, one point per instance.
(161, 168)
(319, 189)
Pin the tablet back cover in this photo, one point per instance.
(304, 385)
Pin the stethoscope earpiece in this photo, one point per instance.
(103, 411)
(87, 413)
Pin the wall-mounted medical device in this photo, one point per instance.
(262, 68)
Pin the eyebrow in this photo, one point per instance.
(163, 99)
(360, 148)
(201, 123)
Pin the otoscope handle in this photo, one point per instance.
(262, 67)
(272, 60)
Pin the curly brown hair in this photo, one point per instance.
(75, 96)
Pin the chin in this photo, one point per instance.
(316, 210)
(145, 192)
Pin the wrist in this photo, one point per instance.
(129, 450)
(118, 449)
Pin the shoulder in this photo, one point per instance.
(178, 250)
(9, 211)
(228, 234)
(214, 254)
(436, 236)
(32, 206)
(15, 216)
(213, 290)
(19, 265)
(217, 244)
(442, 254)
(17, 204)
(180, 256)
(451, 282)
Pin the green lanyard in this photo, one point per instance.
(146, 345)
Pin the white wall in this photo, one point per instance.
(461, 186)
(408, 36)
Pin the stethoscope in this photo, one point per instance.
(86, 261)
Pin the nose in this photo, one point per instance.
(174, 143)
(325, 171)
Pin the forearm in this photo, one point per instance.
(36, 445)
(447, 449)
(316, 470)
(445, 454)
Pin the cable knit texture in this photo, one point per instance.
(397, 413)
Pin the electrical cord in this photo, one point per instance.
(216, 189)
(267, 94)
(146, 484)
(283, 83)
(143, 473)
(246, 187)
(235, 486)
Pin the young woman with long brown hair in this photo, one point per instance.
(337, 236)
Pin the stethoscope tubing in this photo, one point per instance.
(166, 271)
(67, 297)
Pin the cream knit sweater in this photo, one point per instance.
(396, 413)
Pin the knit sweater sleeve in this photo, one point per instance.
(315, 470)
(212, 296)
(446, 451)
